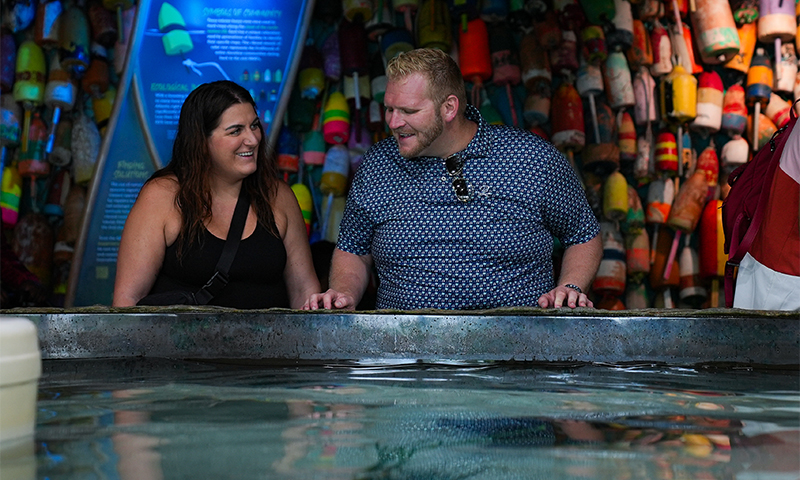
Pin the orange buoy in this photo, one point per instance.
(568, 132)
(689, 203)
(764, 133)
(747, 45)
(627, 139)
(711, 248)
(715, 31)
(660, 265)
(32, 162)
(660, 195)
(477, 66)
(547, 30)
(641, 52)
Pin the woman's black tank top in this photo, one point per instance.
(255, 277)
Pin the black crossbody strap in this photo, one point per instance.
(220, 278)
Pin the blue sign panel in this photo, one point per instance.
(178, 45)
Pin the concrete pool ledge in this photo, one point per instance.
(676, 337)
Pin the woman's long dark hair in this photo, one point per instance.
(200, 115)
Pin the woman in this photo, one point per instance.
(176, 230)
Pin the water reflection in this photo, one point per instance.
(183, 420)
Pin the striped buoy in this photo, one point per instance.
(709, 103)
(778, 110)
(666, 154)
(382, 20)
(303, 196)
(29, 86)
(336, 119)
(618, 79)
(288, 151)
(32, 162)
(691, 291)
(716, 35)
(627, 139)
(615, 197)
(11, 195)
(759, 87)
(662, 50)
(734, 111)
(610, 278)
(747, 45)
(644, 93)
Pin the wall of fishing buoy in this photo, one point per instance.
(653, 102)
(61, 60)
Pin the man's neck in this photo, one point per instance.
(461, 134)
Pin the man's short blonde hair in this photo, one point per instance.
(442, 72)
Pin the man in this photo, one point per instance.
(455, 213)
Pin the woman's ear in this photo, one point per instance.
(450, 108)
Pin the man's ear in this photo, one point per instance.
(450, 108)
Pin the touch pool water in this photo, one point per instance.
(151, 419)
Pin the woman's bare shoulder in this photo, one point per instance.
(159, 191)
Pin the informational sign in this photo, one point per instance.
(177, 46)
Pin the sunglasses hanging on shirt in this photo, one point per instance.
(455, 169)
